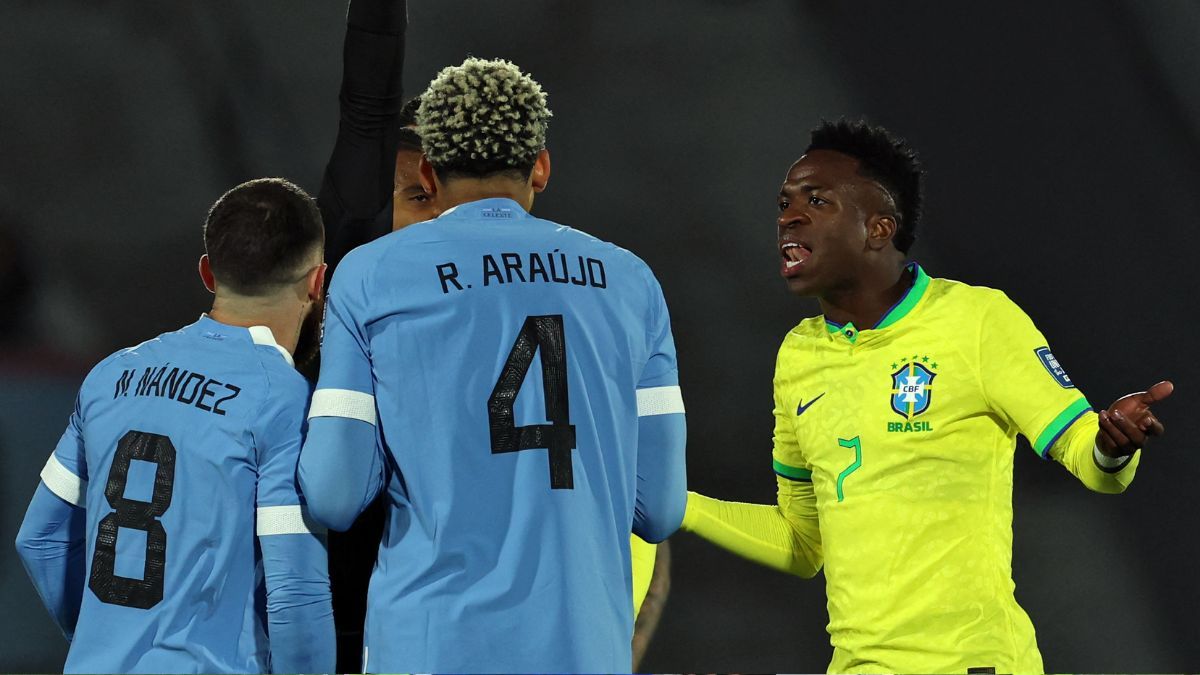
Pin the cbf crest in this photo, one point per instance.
(912, 386)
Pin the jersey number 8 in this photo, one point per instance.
(133, 514)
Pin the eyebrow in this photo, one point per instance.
(807, 188)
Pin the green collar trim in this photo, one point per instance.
(849, 330)
(901, 309)
(909, 300)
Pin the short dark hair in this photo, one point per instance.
(260, 233)
(884, 158)
(407, 136)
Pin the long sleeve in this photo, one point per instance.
(299, 613)
(358, 180)
(1076, 449)
(786, 536)
(341, 467)
(662, 430)
(299, 609)
(52, 546)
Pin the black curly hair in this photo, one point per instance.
(884, 158)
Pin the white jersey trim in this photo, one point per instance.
(659, 401)
(274, 520)
(346, 403)
(1106, 461)
(261, 335)
(59, 479)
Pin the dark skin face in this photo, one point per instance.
(835, 230)
(410, 203)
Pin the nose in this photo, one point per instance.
(791, 218)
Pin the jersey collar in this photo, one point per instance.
(259, 335)
(903, 307)
(498, 209)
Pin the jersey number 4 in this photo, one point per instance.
(542, 335)
(133, 514)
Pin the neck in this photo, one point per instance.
(283, 318)
(865, 304)
(463, 190)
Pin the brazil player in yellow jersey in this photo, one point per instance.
(896, 416)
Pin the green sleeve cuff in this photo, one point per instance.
(1058, 425)
(791, 472)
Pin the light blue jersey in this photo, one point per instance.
(180, 451)
(512, 384)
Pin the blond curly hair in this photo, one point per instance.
(483, 117)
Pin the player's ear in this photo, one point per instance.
(881, 227)
(316, 282)
(206, 275)
(427, 176)
(540, 175)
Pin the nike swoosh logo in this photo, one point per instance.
(800, 410)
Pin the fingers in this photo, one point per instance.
(1158, 392)
(1151, 425)
(1113, 435)
(1125, 435)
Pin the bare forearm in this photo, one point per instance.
(652, 606)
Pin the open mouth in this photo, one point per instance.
(794, 256)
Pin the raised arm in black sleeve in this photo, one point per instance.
(357, 186)
(355, 202)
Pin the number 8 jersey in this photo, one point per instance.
(181, 450)
(511, 383)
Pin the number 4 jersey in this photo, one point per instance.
(181, 450)
(523, 381)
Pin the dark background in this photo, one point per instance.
(1062, 142)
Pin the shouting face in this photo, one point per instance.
(825, 226)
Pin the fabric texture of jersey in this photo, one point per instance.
(180, 448)
(453, 335)
(906, 432)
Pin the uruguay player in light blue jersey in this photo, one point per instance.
(141, 538)
(511, 384)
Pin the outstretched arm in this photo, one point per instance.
(785, 536)
(358, 180)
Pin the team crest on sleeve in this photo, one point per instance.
(912, 386)
(1054, 368)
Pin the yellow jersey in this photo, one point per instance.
(903, 434)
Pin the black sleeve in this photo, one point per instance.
(357, 185)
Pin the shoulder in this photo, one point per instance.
(965, 300)
(808, 329)
(286, 386)
(128, 358)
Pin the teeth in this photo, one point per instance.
(792, 263)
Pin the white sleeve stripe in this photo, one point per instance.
(59, 479)
(285, 520)
(347, 403)
(659, 401)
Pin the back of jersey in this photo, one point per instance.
(168, 437)
(507, 356)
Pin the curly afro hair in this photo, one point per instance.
(884, 158)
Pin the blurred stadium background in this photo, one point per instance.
(1062, 142)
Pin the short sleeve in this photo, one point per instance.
(345, 387)
(786, 457)
(65, 473)
(1022, 380)
(277, 443)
